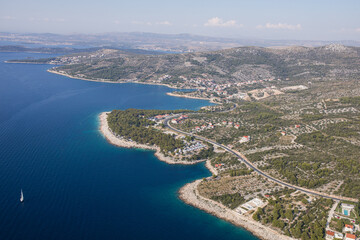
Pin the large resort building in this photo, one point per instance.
(346, 209)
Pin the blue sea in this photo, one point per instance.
(78, 186)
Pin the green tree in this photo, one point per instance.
(289, 214)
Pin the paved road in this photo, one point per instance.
(331, 213)
(250, 165)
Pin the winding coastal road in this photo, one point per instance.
(243, 159)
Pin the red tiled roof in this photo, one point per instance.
(349, 226)
(330, 233)
(352, 236)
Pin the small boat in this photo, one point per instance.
(21, 196)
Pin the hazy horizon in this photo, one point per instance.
(280, 19)
(181, 33)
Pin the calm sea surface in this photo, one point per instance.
(76, 185)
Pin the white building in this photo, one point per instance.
(329, 235)
(252, 204)
(349, 228)
(244, 139)
(339, 235)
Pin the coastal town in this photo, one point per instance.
(263, 128)
(180, 120)
(343, 224)
(232, 181)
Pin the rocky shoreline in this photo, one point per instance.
(190, 195)
(111, 138)
(52, 70)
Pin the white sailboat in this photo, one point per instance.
(21, 196)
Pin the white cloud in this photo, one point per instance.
(357, 30)
(218, 22)
(279, 26)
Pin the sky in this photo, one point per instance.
(259, 19)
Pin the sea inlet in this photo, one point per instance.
(78, 186)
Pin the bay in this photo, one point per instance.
(78, 186)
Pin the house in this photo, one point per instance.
(244, 139)
(175, 121)
(224, 122)
(267, 195)
(218, 165)
(237, 126)
(349, 228)
(339, 235)
(330, 234)
(283, 133)
(349, 236)
(297, 126)
(183, 117)
(159, 117)
(346, 209)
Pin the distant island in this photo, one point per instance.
(179, 43)
(48, 50)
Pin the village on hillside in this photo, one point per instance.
(343, 224)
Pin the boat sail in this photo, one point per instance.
(21, 196)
